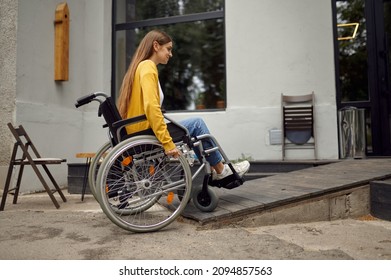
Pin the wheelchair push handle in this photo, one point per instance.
(84, 100)
(88, 98)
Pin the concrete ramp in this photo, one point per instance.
(320, 186)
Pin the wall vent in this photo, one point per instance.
(275, 136)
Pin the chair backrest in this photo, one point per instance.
(298, 117)
(111, 115)
(23, 140)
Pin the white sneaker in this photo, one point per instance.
(241, 168)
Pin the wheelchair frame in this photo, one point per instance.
(176, 174)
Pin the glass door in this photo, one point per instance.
(384, 41)
(363, 30)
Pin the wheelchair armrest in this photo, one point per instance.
(177, 124)
(186, 137)
(118, 125)
(122, 123)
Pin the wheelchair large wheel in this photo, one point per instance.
(94, 165)
(138, 185)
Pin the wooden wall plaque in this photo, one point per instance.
(61, 43)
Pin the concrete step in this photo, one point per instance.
(380, 197)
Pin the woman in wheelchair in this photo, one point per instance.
(133, 176)
(141, 94)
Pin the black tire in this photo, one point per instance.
(205, 201)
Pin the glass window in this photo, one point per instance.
(133, 10)
(352, 39)
(195, 76)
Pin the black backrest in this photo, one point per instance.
(111, 115)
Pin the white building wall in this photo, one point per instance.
(274, 47)
(46, 107)
(8, 27)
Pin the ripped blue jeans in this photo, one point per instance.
(196, 127)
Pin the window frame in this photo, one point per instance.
(213, 15)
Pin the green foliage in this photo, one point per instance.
(353, 53)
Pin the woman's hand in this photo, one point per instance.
(175, 153)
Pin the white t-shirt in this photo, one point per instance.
(161, 95)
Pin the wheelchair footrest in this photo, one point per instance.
(229, 182)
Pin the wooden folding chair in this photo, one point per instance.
(24, 142)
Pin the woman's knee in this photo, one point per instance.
(196, 126)
(200, 122)
(195, 122)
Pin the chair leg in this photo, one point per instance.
(17, 188)
(6, 187)
(54, 183)
(45, 186)
(9, 176)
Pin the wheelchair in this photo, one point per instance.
(139, 187)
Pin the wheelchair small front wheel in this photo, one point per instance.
(205, 201)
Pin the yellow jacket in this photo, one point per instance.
(145, 99)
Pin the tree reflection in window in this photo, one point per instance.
(353, 65)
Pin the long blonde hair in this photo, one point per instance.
(143, 52)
